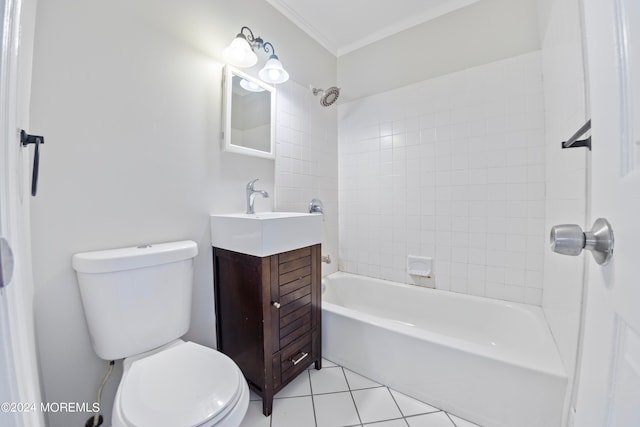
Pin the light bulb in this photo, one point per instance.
(239, 53)
(251, 86)
(274, 74)
(273, 71)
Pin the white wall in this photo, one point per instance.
(566, 112)
(128, 96)
(484, 32)
(451, 168)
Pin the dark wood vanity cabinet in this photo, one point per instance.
(268, 315)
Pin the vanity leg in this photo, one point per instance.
(318, 364)
(267, 404)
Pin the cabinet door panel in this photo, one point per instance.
(295, 330)
(296, 284)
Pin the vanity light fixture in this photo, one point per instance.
(241, 53)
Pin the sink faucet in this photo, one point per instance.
(251, 195)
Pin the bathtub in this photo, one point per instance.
(492, 362)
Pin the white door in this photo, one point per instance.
(609, 385)
(19, 383)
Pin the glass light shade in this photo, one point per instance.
(239, 53)
(273, 71)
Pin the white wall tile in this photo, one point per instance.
(462, 179)
(306, 164)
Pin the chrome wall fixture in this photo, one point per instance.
(575, 142)
(328, 96)
(241, 53)
(316, 206)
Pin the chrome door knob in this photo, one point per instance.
(6, 263)
(569, 239)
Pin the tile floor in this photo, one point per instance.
(337, 397)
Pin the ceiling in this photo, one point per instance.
(342, 26)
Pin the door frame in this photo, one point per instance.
(17, 328)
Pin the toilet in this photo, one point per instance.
(137, 303)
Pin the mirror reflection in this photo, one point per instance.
(249, 115)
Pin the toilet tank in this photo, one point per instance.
(136, 299)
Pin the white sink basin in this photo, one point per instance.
(265, 234)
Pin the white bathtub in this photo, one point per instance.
(492, 362)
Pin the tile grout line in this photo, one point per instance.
(313, 403)
(351, 394)
(398, 406)
(453, 422)
(334, 392)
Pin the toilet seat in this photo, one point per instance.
(185, 384)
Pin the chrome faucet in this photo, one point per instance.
(316, 206)
(251, 195)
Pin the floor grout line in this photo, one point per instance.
(351, 394)
(398, 406)
(313, 403)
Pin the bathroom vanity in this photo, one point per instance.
(268, 315)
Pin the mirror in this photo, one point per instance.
(248, 113)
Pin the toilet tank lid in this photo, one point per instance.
(134, 257)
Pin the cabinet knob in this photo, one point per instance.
(276, 304)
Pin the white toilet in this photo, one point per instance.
(137, 302)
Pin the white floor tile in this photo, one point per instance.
(254, 417)
(410, 406)
(357, 381)
(293, 412)
(342, 398)
(328, 380)
(393, 423)
(437, 419)
(335, 409)
(254, 396)
(462, 423)
(375, 404)
(300, 386)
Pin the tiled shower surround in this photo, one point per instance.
(306, 160)
(451, 168)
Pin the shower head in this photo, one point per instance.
(327, 97)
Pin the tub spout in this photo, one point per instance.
(316, 206)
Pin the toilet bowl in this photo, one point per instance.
(180, 384)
